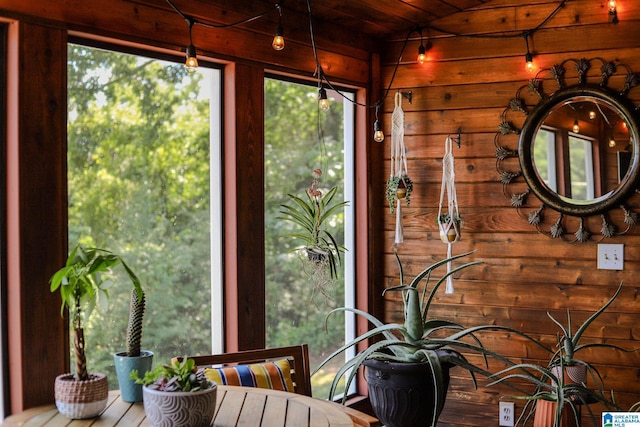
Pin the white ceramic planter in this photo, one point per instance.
(81, 399)
(179, 408)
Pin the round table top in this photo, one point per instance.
(235, 406)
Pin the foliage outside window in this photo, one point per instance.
(139, 185)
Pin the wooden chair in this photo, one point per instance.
(298, 356)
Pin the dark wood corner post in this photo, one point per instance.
(36, 210)
(243, 178)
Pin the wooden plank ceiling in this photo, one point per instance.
(374, 19)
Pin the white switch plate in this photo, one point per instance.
(610, 256)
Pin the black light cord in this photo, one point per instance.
(215, 26)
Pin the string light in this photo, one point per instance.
(592, 115)
(278, 39)
(323, 101)
(191, 61)
(613, 12)
(576, 126)
(422, 51)
(529, 65)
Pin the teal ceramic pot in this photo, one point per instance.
(129, 390)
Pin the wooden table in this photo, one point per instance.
(235, 406)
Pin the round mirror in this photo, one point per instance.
(578, 150)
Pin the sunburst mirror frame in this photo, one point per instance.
(520, 179)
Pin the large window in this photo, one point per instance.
(143, 143)
(298, 139)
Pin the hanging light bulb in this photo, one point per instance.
(192, 59)
(323, 101)
(576, 126)
(378, 135)
(612, 141)
(422, 51)
(278, 39)
(613, 12)
(592, 115)
(422, 54)
(528, 57)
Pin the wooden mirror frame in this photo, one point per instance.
(534, 116)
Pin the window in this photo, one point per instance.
(544, 157)
(581, 162)
(143, 142)
(298, 139)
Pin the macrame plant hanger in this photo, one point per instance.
(398, 157)
(449, 221)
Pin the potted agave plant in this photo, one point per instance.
(133, 358)
(178, 395)
(311, 215)
(562, 387)
(83, 284)
(407, 370)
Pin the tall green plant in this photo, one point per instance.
(84, 283)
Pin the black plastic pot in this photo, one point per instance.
(402, 394)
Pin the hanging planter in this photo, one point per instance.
(399, 188)
(450, 228)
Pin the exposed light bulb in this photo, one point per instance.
(422, 54)
(529, 65)
(613, 12)
(192, 60)
(378, 135)
(576, 126)
(612, 142)
(323, 101)
(592, 115)
(278, 39)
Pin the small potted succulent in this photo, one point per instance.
(398, 188)
(178, 394)
(310, 215)
(83, 284)
(133, 358)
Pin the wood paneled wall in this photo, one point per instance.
(467, 83)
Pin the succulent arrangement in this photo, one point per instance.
(179, 375)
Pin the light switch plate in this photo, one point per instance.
(610, 256)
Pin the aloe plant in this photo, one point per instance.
(549, 380)
(84, 283)
(419, 338)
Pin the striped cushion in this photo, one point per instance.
(275, 375)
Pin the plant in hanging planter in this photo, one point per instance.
(311, 215)
(83, 284)
(450, 229)
(410, 363)
(564, 383)
(178, 394)
(398, 188)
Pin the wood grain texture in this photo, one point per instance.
(524, 274)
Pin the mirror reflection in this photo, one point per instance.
(581, 150)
